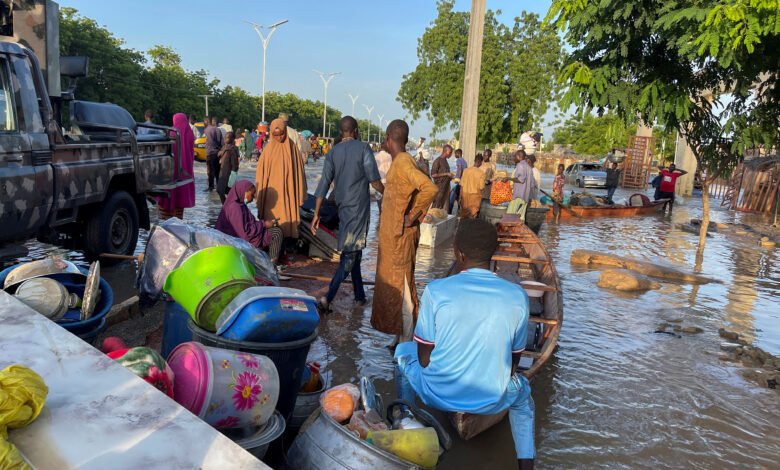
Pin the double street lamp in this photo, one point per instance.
(325, 105)
(354, 99)
(265, 40)
(370, 110)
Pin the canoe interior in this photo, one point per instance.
(609, 211)
(522, 257)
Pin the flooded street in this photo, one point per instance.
(615, 394)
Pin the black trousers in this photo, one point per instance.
(212, 169)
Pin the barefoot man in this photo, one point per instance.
(408, 194)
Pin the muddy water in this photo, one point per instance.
(614, 394)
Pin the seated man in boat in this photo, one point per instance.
(468, 340)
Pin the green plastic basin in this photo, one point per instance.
(209, 280)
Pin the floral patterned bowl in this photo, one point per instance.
(227, 389)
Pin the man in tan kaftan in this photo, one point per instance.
(407, 197)
(471, 184)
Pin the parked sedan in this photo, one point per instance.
(584, 174)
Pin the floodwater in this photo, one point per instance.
(614, 394)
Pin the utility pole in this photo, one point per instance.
(206, 97)
(468, 117)
(370, 110)
(325, 104)
(354, 99)
(265, 40)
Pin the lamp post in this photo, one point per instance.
(354, 99)
(370, 110)
(206, 97)
(325, 104)
(265, 40)
(380, 116)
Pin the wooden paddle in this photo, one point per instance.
(139, 258)
(559, 204)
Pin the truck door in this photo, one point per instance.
(18, 196)
(29, 95)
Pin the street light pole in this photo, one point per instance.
(379, 136)
(370, 110)
(206, 97)
(325, 104)
(354, 99)
(265, 40)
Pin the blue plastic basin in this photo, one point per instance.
(269, 315)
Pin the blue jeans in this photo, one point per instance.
(517, 398)
(348, 264)
(610, 192)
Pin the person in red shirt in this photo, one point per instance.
(668, 181)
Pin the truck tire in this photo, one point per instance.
(580, 184)
(112, 228)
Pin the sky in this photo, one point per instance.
(372, 43)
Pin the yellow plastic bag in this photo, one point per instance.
(22, 396)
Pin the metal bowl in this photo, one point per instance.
(40, 268)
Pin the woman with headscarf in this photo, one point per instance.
(184, 196)
(247, 146)
(281, 181)
(237, 220)
(228, 164)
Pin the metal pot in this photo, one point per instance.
(46, 296)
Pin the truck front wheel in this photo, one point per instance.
(112, 228)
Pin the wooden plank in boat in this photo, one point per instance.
(546, 321)
(516, 259)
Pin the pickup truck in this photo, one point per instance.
(85, 185)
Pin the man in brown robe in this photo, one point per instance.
(280, 181)
(407, 197)
(471, 184)
(441, 174)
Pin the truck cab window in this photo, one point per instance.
(24, 86)
(7, 114)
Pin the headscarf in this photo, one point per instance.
(183, 196)
(236, 220)
(281, 181)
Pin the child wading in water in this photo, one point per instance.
(557, 193)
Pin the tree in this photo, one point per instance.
(596, 135)
(114, 70)
(706, 69)
(516, 83)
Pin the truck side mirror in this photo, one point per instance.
(73, 67)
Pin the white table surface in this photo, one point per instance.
(99, 415)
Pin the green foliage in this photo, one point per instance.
(655, 60)
(109, 62)
(596, 135)
(120, 75)
(516, 79)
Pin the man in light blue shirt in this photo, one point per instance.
(470, 333)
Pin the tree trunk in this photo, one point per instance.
(705, 214)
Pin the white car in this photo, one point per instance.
(586, 175)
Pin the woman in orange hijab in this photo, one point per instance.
(280, 181)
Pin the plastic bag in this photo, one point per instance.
(364, 421)
(340, 401)
(500, 192)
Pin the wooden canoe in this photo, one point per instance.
(610, 211)
(521, 256)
